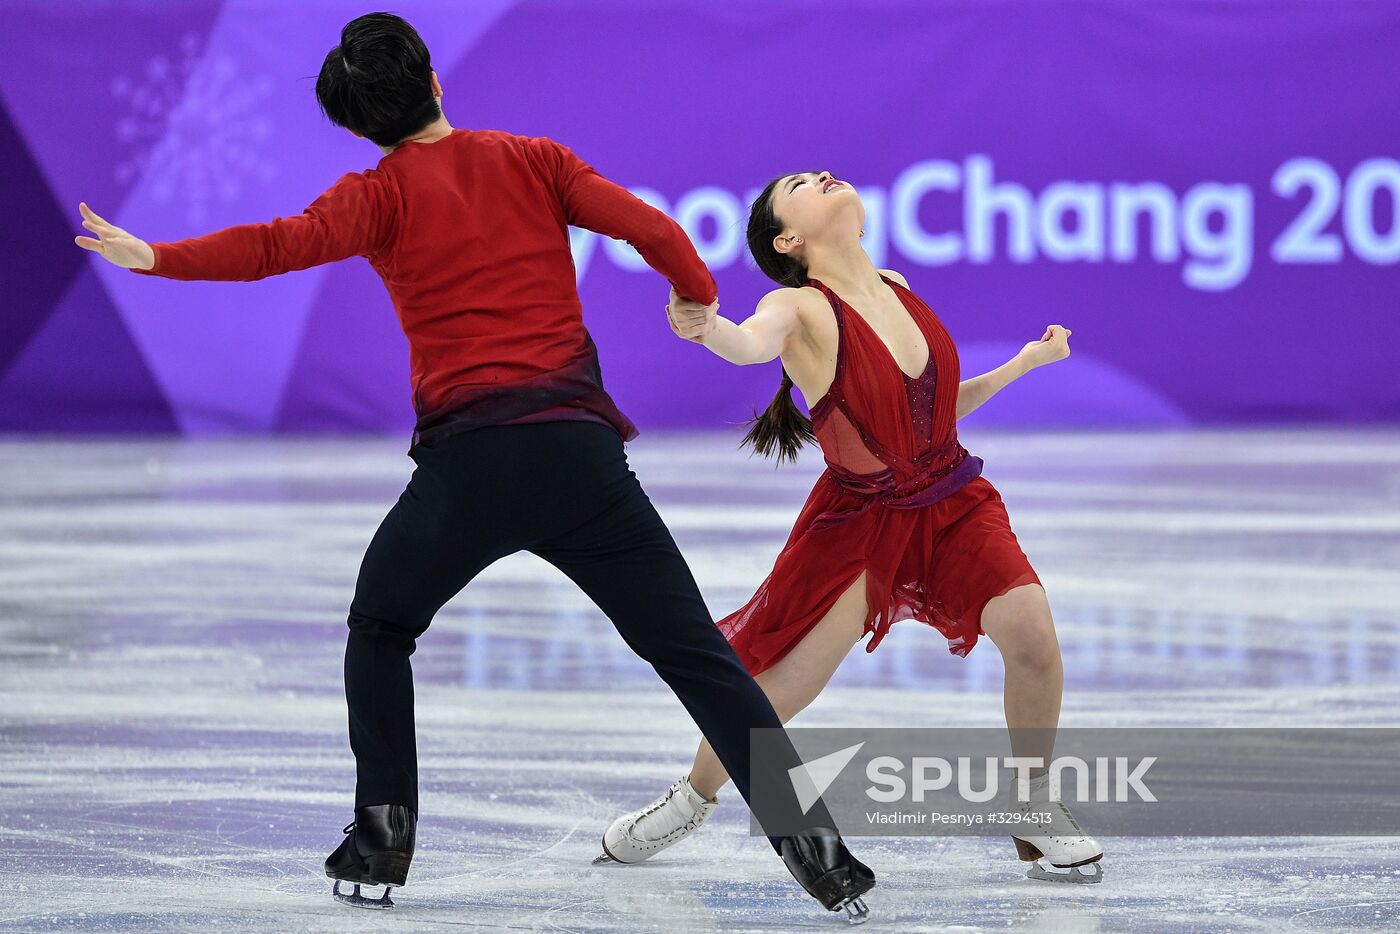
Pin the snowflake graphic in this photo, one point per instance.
(193, 129)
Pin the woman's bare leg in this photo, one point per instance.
(796, 681)
(1020, 624)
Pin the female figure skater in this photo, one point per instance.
(901, 524)
(469, 231)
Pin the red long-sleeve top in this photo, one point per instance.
(470, 235)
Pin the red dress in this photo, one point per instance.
(900, 498)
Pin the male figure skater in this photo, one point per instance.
(517, 445)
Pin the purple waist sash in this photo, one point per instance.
(899, 496)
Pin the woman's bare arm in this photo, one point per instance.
(1052, 346)
(763, 336)
(972, 393)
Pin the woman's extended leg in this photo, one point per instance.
(795, 682)
(789, 686)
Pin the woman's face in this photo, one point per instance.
(810, 204)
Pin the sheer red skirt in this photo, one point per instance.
(939, 564)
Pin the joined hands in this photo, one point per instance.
(691, 320)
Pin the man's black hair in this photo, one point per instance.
(378, 81)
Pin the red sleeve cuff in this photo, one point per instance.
(709, 297)
(704, 296)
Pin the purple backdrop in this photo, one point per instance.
(1205, 192)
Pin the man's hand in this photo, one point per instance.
(691, 320)
(115, 245)
(1053, 345)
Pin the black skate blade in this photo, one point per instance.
(360, 901)
(843, 879)
(856, 912)
(839, 889)
(1086, 874)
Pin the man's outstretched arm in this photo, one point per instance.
(594, 203)
(353, 217)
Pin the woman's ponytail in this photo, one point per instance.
(781, 427)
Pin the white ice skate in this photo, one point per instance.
(671, 818)
(1071, 854)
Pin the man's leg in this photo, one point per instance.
(439, 535)
(625, 559)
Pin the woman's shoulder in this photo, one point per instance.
(797, 299)
(891, 274)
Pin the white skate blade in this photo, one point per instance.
(1088, 873)
(360, 901)
(607, 857)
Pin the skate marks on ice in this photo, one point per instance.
(172, 750)
(952, 889)
(507, 838)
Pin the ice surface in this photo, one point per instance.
(172, 723)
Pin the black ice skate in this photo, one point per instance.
(377, 849)
(818, 859)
